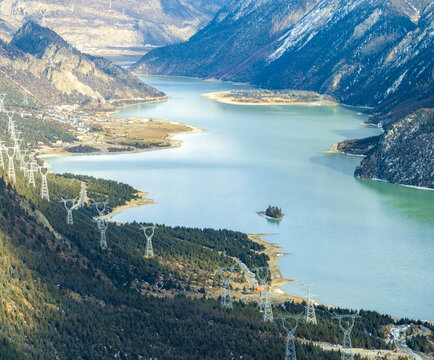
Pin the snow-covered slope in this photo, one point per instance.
(365, 52)
(241, 34)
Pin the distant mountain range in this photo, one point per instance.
(132, 23)
(371, 53)
(39, 63)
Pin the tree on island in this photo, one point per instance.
(274, 212)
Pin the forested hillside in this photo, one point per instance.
(66, 296)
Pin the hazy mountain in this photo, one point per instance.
(126, 24)
(41, 63)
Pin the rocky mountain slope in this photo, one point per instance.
(239, 36)
(40, 63)
(131, 23)
(405, 153)
(385, 60)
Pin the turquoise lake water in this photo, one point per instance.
(364, 244)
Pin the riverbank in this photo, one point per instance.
(272, 250)
(271, 98)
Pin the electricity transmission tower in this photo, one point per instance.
(11, 124)
(310, 306)
(346, 323)
(22, 154)
(102, 227)
(11, 165)
(268, 311)
(33, 167)
(261, 274)
(226, 276)
(44, 185)
(102, 224)
(290, 352)
(26, 164)
(69, 206)
(100, 206)
(264, 302)
(149, 251)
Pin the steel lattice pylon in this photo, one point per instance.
(100, 206)
(32, 170)
(11, 165)
(290, 352)
(268, 310)
(69, 206)
(149, 251)
(310, 306)
(346, 353)
(11, 124)
(44, 184)
(102, 227)
(261, 274)
(264, 301)
(226, 276)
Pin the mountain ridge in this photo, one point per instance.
(41, 63)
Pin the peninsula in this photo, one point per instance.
(271, 97)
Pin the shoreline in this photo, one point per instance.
(277, 280)
(264, 215)
(173, 143)
(134, 102)
(220, 97)
(142, 200)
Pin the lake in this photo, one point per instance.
(363, 244)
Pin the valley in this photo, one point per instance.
(110, 249)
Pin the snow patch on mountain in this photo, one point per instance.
(325, 13)
(237, 9)
(396, 84)
(365, 26)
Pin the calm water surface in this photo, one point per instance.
(364, 244)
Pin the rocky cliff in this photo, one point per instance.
(405, 152)
(104, 23)
(41, 63)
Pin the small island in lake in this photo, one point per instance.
(272, 213)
